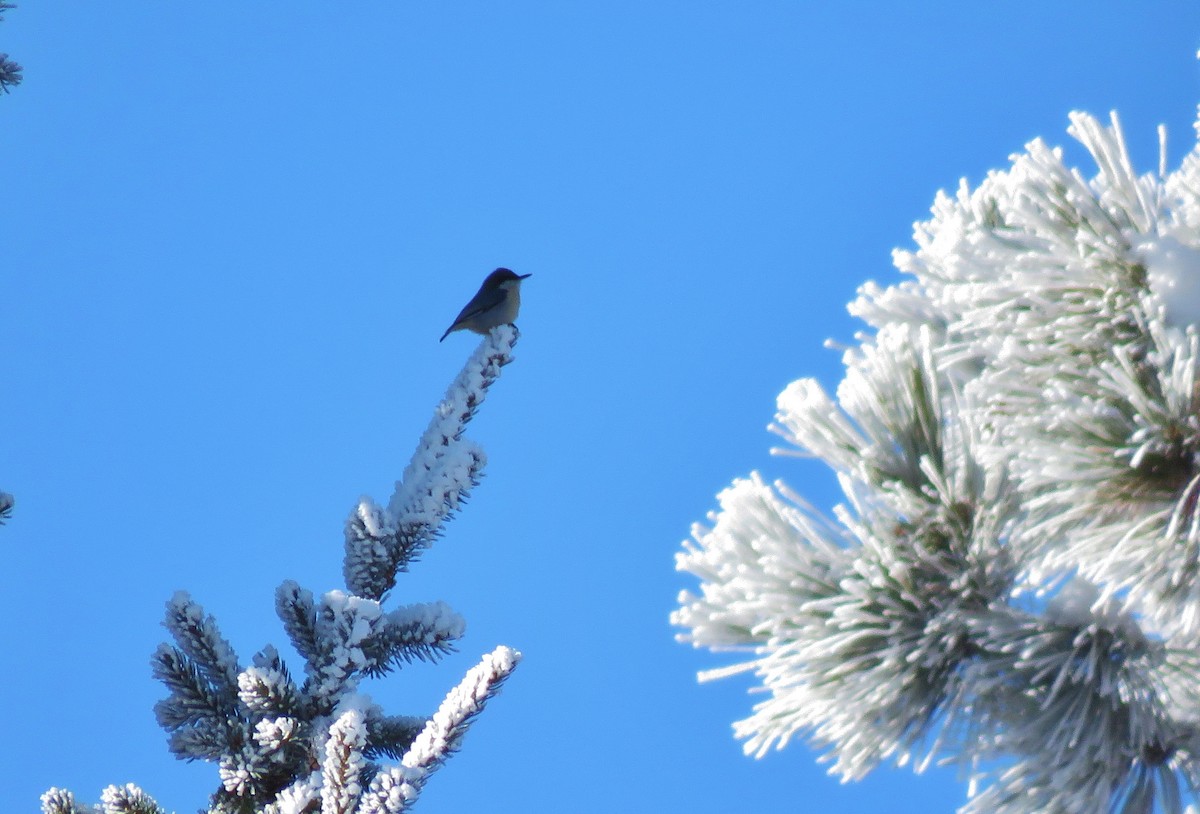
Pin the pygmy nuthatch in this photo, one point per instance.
(497, 303)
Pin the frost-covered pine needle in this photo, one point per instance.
(1012, 581)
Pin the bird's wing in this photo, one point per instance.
(481, 302)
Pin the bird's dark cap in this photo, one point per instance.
(503, 275)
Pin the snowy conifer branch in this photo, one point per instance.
(391, 736)
(344, 764)
(1085, 668)
(344, 626)
(383, 541)
(422, 632)
(298, 612)
(1013, 579)
(194, 699)
(128, 799)
(388, 793)
(879, 612)
(200, 640)
(61, 801)
(267, 734)
(267, 687)
(462, 401)
(10, 72)
(444, 732)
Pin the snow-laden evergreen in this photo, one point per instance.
(7, 502)
(286, 745)
(1012, 581)
(10, 71)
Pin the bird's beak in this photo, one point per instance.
(523, 276)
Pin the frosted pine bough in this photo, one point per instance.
(1012, 582)
(285, 746)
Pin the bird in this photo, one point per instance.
(496, 303)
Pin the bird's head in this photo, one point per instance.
(503, 277)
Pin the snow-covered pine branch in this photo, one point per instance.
(267, 733)
(1013, 579)
(349, 783)
(381, 541)
(61, 801)
(10, 72)
(395, 789)
(344, 764)
(127, 799)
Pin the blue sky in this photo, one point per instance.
(231, 237)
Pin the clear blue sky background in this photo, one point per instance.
(231, 235)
